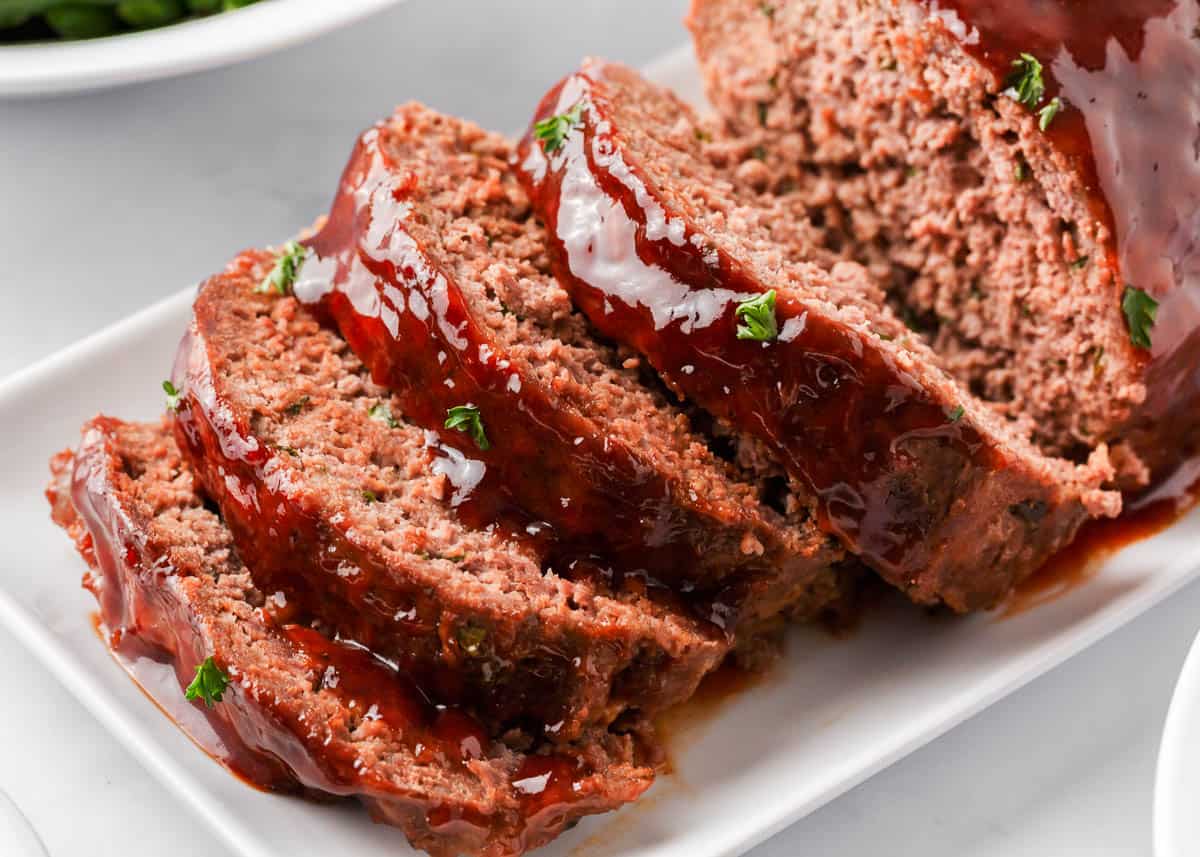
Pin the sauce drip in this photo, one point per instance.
(1097, 540)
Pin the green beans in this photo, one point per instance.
(28, 20)
(145, 14)
(80, 21)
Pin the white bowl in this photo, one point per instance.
(1177, 781)
(46, 68)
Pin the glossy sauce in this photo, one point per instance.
(266, 740)
(831, 403)
(583, 492)
(1127, 72)
(323, 575)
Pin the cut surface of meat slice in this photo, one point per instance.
(301, 711)
(669, 254)
(337, 501)
(436, 272)
(1023, 178)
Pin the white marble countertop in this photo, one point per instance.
(113, 200)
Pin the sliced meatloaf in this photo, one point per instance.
(436, 271)
(710, 281)
(301, 710)
(342, 504)
(1023, 178)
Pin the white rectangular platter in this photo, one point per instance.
(834, 713)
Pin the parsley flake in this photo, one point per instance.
(209, 683)
(1080, 263)
(466, 418)
(382, 414)
(956, 414)
(553, 130)
(287, 268)
(470, 638)
(1026, 83)
(369, 496)
(174, 396)
(756, 318)
(1046, 115)
(1140, 310)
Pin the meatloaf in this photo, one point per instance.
(1022, 177)
(302, 711)
(436, 271)
(716, 286)
(339, 502)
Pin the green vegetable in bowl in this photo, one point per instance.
(32, 20)
(81, 21)
(144, 14)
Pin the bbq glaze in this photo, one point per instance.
(264, 739)
(1127, 74)
(890, 464)
(583, 491)
(464, 651)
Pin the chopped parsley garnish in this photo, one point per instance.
(956, 414)
(767, 9)
(1026, 83)
(297, 406)
(1140, 310)
(471, 637)
(1020, 170)
(756, 318)
(369, 496)
(466, 418)
(1046, 115)
(1080, 263)
(174, 396)
(209, 683)
(382, 414)
(762, 113)
(553, 130)
(287, 268)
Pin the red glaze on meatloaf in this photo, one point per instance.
(1018, 227)
(302, 711)
(339, 502)
(436, 271)
(659, 248)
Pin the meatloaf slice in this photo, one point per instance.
(339, 502)
(1022, 176)
(662, 250)
(301, 710)
(436, 271)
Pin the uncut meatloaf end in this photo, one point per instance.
(436, 270)
(336, 500)
(1012, 234)
(301, 710)
(660, 247)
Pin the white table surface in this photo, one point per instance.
(110, 201)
